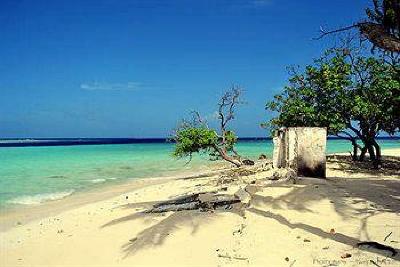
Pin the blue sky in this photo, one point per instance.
(134, 68)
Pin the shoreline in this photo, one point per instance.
(9, 216)
(108, 228)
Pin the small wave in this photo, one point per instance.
(102, 180)
(40, 198)
(96, 181)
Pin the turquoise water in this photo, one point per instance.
(32, 175)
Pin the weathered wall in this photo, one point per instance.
(302, 149)
(291, 148)
(279, 154)
(311, 156)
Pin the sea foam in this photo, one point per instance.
(96, 181)
(102, 180)
(40, 198)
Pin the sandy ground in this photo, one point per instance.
(311, 223)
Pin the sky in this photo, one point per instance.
(135, 68)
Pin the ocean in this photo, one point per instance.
(56, 168)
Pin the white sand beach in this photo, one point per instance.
(315, 222)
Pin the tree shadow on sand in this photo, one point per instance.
(338, 237)
(375, 196)
(390, 165)
(380, 195)
(156, 234)
(360, 198)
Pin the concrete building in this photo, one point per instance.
(301, 149)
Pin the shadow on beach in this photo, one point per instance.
(156, 234)
(356, 197)
(390, 165)
(344, 194)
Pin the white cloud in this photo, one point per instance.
(104, 86)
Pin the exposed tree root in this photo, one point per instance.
(198, 201)
(208, 201)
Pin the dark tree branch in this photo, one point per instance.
(325, 33)
(374, 32)
(198, 119)
(224, 155)
(226, 107)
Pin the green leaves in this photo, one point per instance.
(230, 140)
(338, 89)
(194, 135)
(315, 97)
(193, 140)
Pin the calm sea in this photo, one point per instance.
(31, 175)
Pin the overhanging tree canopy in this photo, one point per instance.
(352, 95)
(382, 28)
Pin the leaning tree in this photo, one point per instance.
(194, 135)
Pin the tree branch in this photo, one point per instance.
(324, 33)
(374, 32)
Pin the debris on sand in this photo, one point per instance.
(284, 174)
(232, 257)
(387, 236)
(346, 255)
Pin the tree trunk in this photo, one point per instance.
(353, 141)
(378, 159)
(362, 154)
(237, 154)
(371, 151)
(368, 147)
(374, 151)
(378, 35)
(229, 159)
(378, 152)
(355, 150)
(226, 157)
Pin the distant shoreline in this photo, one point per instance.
(24, 142)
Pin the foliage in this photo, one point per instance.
(230, 140)
(195, 136)
(376, 96)
(351, 95)
(315, 98)
(191, 140)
